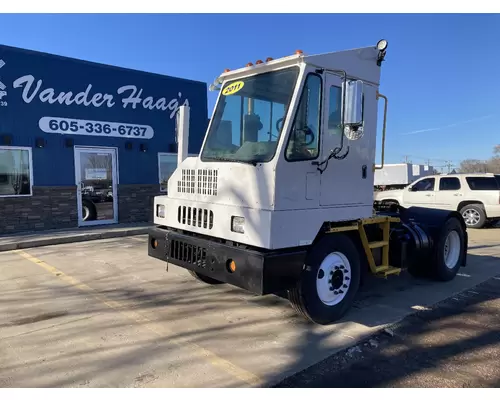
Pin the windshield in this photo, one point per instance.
(249, 116)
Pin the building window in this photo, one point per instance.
(167, 163)
(16, 171)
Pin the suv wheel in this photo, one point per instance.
(474, 216)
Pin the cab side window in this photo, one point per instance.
(425, 185)
(303, 143)
(449, 184)
(335, 111)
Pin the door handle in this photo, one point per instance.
(457, 194)
(428, 195)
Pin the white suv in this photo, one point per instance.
(475, 196)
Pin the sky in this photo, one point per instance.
(440, 73)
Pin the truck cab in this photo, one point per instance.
(280, 197)
(277, 154)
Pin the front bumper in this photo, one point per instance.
(260, 272)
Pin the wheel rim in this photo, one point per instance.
(86, 213)
(471, 217)
(452, 249)
(333, 279)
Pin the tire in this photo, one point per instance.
(448, 251)
(89, 212)
(204, 278)
(318, 299)
(474, 216)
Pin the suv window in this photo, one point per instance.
(425, 185)
(482, 183)
(449, 184)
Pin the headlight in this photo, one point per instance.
(160, 211)
(238, 224)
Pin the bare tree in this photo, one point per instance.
(492, 165)
(473, 166)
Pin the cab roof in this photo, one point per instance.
(360, 63)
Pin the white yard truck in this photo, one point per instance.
(280, 198)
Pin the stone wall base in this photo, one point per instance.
(48, 208)
(55, 207)
(135, 202)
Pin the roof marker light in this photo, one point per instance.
(269, 59)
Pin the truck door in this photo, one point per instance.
(344, 181)
(421, 194)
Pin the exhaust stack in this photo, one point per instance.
(182, 133)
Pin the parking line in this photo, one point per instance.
(227, 366)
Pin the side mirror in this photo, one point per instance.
(354, 103)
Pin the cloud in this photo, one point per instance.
(447, 126)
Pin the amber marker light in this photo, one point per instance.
(231, 265)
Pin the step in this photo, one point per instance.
(388, 271)
(375, 245)
(381, 268)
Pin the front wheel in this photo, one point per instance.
(329, 281)
(204, 278)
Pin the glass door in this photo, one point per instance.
(96, 185)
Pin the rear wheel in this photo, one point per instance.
(474, 216)
(329, 280)
(449, 251)
(204, 278)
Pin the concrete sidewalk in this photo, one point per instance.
(60, 236)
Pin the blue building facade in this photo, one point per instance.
(83, 143)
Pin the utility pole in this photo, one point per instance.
(449, 165)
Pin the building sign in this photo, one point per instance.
(3, 87)
(70, 126)
(95, 174)
(131, 96)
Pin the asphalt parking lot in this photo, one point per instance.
(103, 314)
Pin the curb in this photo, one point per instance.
(26, 244)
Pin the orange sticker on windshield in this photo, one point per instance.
(233, 88)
